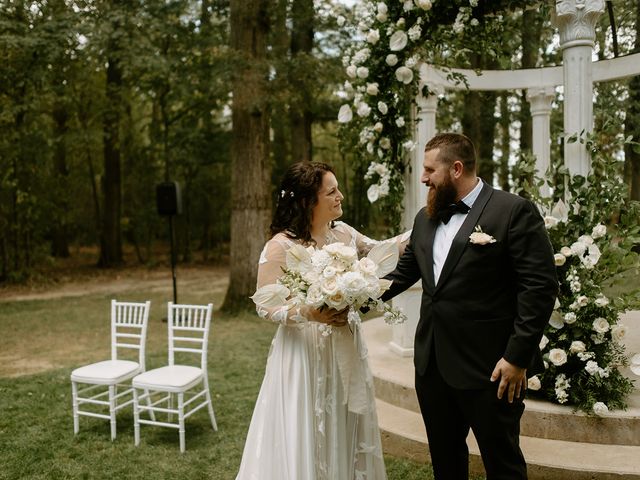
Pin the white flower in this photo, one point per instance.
(382, 7)
(367, 266)
(400, 122)
(478, 237)
(338, 300)
(271, 295)
(353, 283)
(458, 26)
(400, 23)
(381, 169)
(404, 75)
(362, 72)
(385, 143)
(409, 145)
(634, 364)
(600, 325)
(315, 298)
(556, 320)
(341, 252)
(373, 193)
(582, 301)
(543, 342)
(414, 33)
(407, 6)
(391, 59)
(378, 127)
(586, 239)
(559, 259)
(534, 383)
(570, 318)
(560, 211)
(345, 114)
(361, 55)
(575, 286)
(352, 71)
(591, 367)
(364, 110)
(398, 41)
(340, 20)
(412, 61)
(557, 304)
(593, 257)
(557, 356)
(329, 285)
(382, 17)
(566, 251)
(578, 248)
(601, 300)
(550, 222)
(599, 231)
(600, 408)
(577, 347)
(298, 259)
(373, 36)
(473, 3)
(382, 107)
(474, 22)
(618, 332)
(423, 4)
(584, 356)
(372, 88)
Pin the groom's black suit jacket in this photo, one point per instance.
(491, 301)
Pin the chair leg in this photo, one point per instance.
(136, 419)
(181, 420)
(170, 407)
(148, 397)
(210, 406)
(74, 400)
(112, 410)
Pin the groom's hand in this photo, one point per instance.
(513, 379)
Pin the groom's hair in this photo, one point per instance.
(454, 146)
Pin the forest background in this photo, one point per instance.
(102, 100)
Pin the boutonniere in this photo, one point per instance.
(478, 237)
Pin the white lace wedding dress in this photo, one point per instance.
(315, 416)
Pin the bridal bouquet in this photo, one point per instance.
(334, 277)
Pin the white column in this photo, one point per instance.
(541, 100)
(576, 20)
(415, 198)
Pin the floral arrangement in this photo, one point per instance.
(592, 235)
(334, 277)
(383, 75)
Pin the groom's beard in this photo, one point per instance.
(440, 197)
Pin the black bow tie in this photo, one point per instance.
(446, 213)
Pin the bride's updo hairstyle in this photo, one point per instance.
(297, 195)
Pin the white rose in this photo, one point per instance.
(407, 6)
(592, 367)
(353, 283)
(382, 107)
(599, 231)
(600, 408)
(368, 266)
(329, 285)
(382, 7)
(373, 36)
(577, 347)
(372, 88)
(534, 383)
(557, 356)
(550, 222)
(559, 259)
(618, 332)
(570, 318)
(352, 71)
(345, 114)
(423, 4)
(543, 342)
(578, 248)
(340, 20)
(400, 122)
(380, 169)
(391, 59)
(404, 75)
(373, 193)
(363, 110)
(474, 22)
(382, 17)
(385, 143)
(600, 325)
(329, 272)
(400, 23)
(398, 41)
(601, 301)
(582, 301)
(315, 297)
(337, 301)
(566, 251)
(362, 72)
(586, 239)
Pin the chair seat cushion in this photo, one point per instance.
(172, 378)
(108, 372)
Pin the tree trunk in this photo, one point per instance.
(251, 170)
(632, 125)
(111, 236)
(59, 233)
(302, 15)
(279, 120)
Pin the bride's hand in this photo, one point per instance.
(329, 316)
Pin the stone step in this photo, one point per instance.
(403, 435)
(394, 380)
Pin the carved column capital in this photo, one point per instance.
(576, 21)
(541, 100)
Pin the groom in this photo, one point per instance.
(489, 286)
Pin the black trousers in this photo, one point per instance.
(448, 413)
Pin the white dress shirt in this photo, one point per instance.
(445, 233)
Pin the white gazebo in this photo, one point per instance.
(557, 442)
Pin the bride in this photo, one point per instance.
(315, 415)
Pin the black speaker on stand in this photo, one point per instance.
(169, 203)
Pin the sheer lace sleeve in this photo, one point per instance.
(272, 260)
(363, 243)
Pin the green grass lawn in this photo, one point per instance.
(55, 336)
